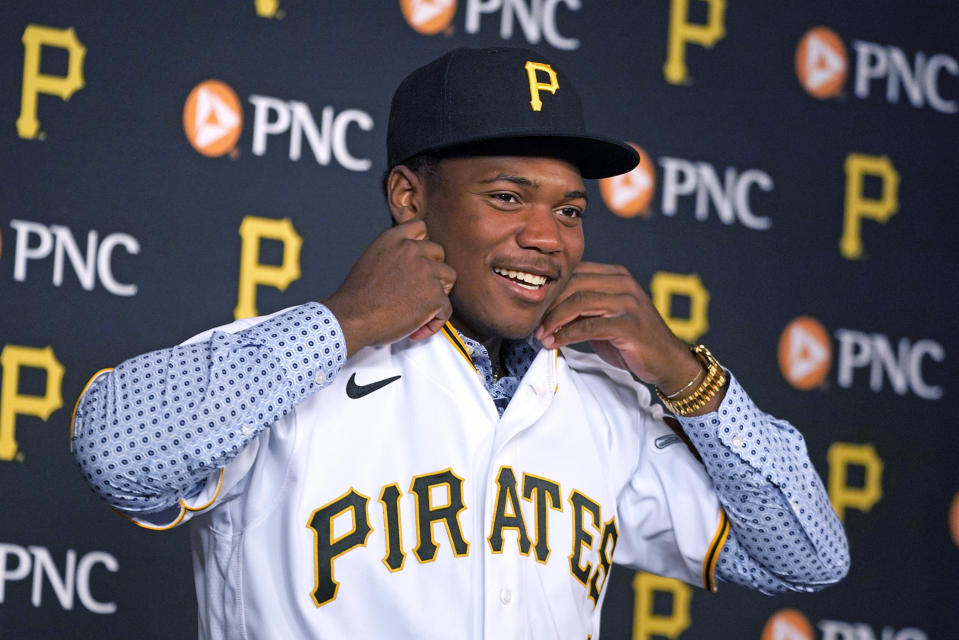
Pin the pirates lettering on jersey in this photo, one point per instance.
(543, 493)
(438, 497)
(390, 497)
(606, 546)
(508, 514)
(581, 537)
(327, 547)
(427, 514)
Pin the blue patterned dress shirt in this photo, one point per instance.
(151, 431)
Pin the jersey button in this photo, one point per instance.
(246, 429)
(320, 377)
(505, 596)
(738, 442)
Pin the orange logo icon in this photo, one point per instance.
(428, 16)
(788, 624)
(805, 353)
(954, 519)
(212, 118)
(628, 195)
(821, 63)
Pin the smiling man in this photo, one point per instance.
(422, 455)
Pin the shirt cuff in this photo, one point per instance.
(739, 429)
(308, 341)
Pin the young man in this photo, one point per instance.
(422, 455)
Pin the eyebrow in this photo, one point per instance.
(526, 182)
(520, 180)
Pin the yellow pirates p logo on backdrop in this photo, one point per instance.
(35, 82)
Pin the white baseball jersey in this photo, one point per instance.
(397, 503)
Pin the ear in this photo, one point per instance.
(405, 193)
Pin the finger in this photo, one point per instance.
(446, 275)
(593, 276)
(431, 250)
(584, 329)
(424, 332)
(434, 325)
(604, 283)
(599, 268)
(412, 229)
(583, 304)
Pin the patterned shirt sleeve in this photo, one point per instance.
(151, 431)
(785, 535)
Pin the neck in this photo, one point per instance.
(495, 359)
(492, 344)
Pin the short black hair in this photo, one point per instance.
(425, 164)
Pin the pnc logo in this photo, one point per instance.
(428, 17)
(788, 624)
(822, 66)
(822, 63)
(213, 121)
(707, 190)
(212, 118)
(36, 564)
(536, 20)
(630, 194)
(805, 353)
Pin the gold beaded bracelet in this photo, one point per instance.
(714, 381)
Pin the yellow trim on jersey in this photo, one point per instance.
(73, 416)
(151, 527)
(454, 338)
(184, 507)
(556, 370)
(712, 554)
(450, 332)
(216, 494)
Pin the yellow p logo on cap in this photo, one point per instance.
(535, 86)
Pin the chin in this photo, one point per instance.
(517, 334)
(481, 328)
(514, 330)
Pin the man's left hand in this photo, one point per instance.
(605, 306)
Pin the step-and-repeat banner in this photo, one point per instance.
(168, 167)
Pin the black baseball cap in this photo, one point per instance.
(471, 99)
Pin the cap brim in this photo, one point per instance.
(595, 156)
(601, 157)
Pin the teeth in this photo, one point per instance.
(522, 276)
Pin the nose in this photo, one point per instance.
(540, 231)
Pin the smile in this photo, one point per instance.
(522, 278)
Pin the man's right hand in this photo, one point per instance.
(399, 287)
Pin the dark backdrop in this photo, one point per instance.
(115, 159)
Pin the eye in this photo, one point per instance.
(504, 200)
(571, 212)
(505, 197)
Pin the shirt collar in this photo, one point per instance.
(518, 355)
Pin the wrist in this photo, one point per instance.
(684, 375)
(688, 388)
(704, 396)
(350, 326)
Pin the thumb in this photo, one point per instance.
(428, 329)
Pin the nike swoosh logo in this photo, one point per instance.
(357, 391)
